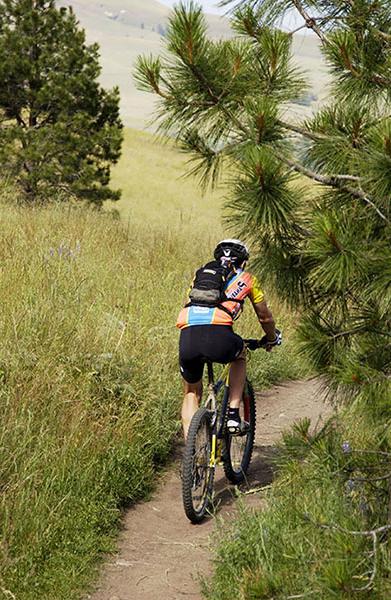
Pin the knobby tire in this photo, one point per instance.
(191, 471)
(236, 473)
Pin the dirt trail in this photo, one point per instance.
(160, 553)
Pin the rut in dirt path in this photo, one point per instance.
(160, 553)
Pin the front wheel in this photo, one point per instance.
(239, 448)
(197, 472)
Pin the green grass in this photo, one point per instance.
(301, 545)
(151, 176)
(88, 411)
(89, 384)
(90, 388)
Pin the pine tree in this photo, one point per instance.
(312, 197)
(59, 129)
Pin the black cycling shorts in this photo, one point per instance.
(199, 343)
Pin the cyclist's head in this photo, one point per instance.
(232, 251)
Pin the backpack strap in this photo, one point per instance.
(220, 306)
(226, 310)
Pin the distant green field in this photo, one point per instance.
(155, 190)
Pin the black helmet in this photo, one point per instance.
(234, 250)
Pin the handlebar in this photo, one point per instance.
(253, 344)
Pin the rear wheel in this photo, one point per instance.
(239, 448)
(197, 474)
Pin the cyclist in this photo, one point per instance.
(207, 334)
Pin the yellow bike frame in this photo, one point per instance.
(211, 404)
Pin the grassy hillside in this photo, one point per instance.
(154, 189)
(88, 363)
(136, 13)
(126, 29)
(90, 390)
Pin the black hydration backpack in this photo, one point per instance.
(209, 284)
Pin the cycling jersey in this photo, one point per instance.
(239, 287)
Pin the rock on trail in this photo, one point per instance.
(160, 553)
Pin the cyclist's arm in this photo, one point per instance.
(265, 317)
(262, 310)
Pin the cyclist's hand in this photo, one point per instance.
(269, 345)
(253, 344)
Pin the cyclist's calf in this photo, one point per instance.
(191, 402)
(237, 379)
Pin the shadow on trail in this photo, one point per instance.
(262, 468)
(260, 474)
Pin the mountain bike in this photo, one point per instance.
(209, 444)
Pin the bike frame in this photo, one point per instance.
(218, 447)
(211, 404)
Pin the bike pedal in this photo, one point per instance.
(240, 430)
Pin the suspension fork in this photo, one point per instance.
(218, 427)
(214, 446)
(224, 411)
(211, 406)
(218, 432)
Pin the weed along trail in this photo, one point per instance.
(160, 553)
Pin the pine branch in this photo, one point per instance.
(148, 76)
(204, 82)
(309, 21)
(382, 34)
(373, 533)
(332, 181)
(364, 532)
(325, 179)
(304, 132)
(216, 99)
(376, 79)
(20, 121)
(368, 201)
(347, 177)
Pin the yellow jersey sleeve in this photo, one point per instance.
(256, 295)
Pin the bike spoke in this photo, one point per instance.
(200, 468)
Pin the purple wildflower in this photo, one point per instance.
(350, 486)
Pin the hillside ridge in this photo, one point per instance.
(126, 29)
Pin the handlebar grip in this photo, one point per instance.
(253, 344)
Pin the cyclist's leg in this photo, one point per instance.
(191, 366)
(225, 346)
(237, 379)
(191, 402)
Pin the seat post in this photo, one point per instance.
(210, 373)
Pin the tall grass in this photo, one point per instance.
(89, 384)
(87, 364)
